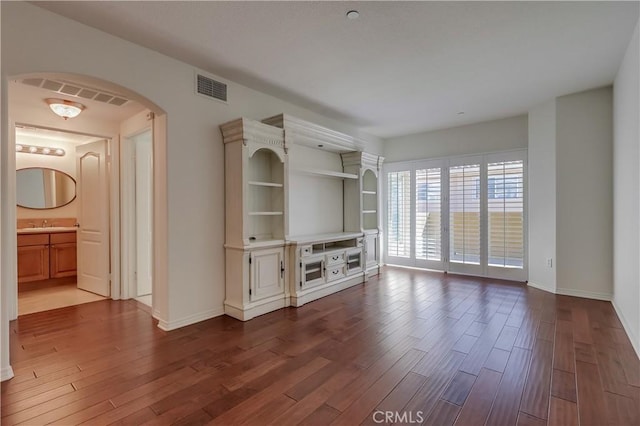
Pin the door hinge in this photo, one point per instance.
(301, 264)
(249, 260)
(249, 292)
(300, 284)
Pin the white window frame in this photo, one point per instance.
(391, 168)
(482, 270)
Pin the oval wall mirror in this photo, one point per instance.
(42, 188)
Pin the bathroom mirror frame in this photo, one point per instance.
(75, 193)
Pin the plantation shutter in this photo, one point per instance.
(505, 206)
(399, 214)
(464, 214)
(428, 219)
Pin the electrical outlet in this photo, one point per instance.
(549, 262)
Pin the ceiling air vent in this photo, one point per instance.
(76, 90)
(209, 87)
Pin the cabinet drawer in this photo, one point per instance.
(63, 237)
(335, 258)
(335, 273)
(32, 240)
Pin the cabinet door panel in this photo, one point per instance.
(33, 263)
(63, 260)
(313, 271)
(267, 277)
(372, 249)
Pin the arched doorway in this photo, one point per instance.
(44, 118)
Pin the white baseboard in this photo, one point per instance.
(586, 294)
(6, 373)
(543, 287)
(631, 334)
(255, 309)
(191, 319)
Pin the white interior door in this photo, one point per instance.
(93, 217)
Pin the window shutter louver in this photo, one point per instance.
(505, 206)
(464, 214)
(399, 214)
(428, 230)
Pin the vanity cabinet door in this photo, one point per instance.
(63, 260)
(62, 254)
(267, 273)
(33, 263)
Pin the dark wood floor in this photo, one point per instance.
(422, 347)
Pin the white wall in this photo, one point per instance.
(626, 194)
(584, 200)
(489, 136)
(66, 164)
(315, 203)
(5, 223)
(195, 160)
(542, 195)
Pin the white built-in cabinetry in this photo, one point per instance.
(302, 215)
(255, 218)
(362, 203)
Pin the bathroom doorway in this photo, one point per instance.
(51, 245)
(114, 115)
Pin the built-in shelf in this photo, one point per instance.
(265, 213)
(311, 271)
(368, 211)
(369, 192)
(270, 184)
(326, 173)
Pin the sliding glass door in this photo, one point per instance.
(399, 217)
(466, 250)
(428, 212)
(505, 217)
(462, 215)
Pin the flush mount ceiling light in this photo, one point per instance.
(353, 14)
(65, 109)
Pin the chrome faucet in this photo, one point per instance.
(44, 223)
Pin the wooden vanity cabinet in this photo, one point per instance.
(33, 257)
(62, 255)
(46, 255)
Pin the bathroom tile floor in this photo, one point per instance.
(45, 299)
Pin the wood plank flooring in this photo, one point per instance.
(408, 347)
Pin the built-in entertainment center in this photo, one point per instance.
(302, 213)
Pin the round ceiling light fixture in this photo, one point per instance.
(353, 14)
(65, 109)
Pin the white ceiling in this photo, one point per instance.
(402, 67)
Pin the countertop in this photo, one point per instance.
(49, 230)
